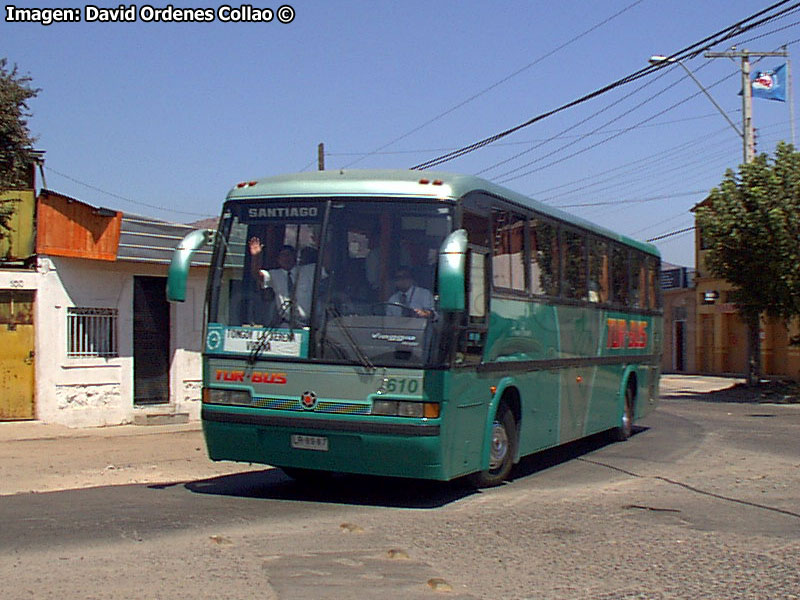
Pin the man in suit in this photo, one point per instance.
(291, 283)
(416, 299)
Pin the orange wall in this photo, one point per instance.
(68, 227)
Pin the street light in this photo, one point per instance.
(658, 58)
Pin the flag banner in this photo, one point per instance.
(770, 84)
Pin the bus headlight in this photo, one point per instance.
(409, 409)
(217, 396)
(401, 408)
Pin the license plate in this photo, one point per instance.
(310, 442)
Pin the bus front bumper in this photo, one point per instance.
(393, 447)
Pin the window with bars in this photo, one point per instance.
(92, 332)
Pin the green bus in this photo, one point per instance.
(416, 324)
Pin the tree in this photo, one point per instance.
(16, 142)
(751, 227)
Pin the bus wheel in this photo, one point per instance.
(625, 429)
(501, 451)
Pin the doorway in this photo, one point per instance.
(16, 355)
(679, 362)
(151, 341)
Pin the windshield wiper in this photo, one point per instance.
(348, 334)
(262, 343)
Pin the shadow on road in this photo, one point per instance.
(273, 484)
(553, 457)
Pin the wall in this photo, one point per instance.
(80, 392)
(679, 306)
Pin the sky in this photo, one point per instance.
(163, 118)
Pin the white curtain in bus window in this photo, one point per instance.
(477, 287)
(545, 255)
(598, 270)
(508, 258)
(575, 265)
(619, 275)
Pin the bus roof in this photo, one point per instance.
(406, 183)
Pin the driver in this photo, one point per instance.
(410, 295)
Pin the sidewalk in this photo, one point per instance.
(38, 457)
(688, 385)
(17, 431)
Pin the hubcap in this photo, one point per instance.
(626, 423)
(499, 446)
(627, 415)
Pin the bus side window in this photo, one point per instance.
(508, 257)
(638, 287)
(598, 270)
(477, 227)
(473, 331)
(545, 258)
(619, 275)
(575, 265)
(653, 283)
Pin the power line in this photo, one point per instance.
(645, 161)
(689, 52)
(519, 143)
(118, 197)
(671, 234)
(634, 200)
(496, 84)
(589, 118)
(635, 126)
(681, 215)
(650, 164)
(619, 132)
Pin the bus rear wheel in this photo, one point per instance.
(501, 451)
(625, 428)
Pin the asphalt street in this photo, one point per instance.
(702, 502)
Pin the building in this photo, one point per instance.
(677, 288)
(87, 337)
(722, 338)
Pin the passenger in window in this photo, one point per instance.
(417, 299)
(290, 282)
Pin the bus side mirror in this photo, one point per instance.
(452, 271)
(181, 260)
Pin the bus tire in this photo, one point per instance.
(622, 432)
(501, 452)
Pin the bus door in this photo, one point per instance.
(469, 396)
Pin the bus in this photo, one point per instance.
(531, 327)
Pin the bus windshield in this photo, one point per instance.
(340, 280)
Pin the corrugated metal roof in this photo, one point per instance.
(143, 239)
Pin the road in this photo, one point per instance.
(703, 502)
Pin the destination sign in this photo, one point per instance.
(246, 340)
(283, 212)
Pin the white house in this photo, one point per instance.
(87, 337)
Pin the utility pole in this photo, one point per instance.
(752, 319)
(321, 156)
(749, 150)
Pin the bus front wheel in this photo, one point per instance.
(501, 450)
